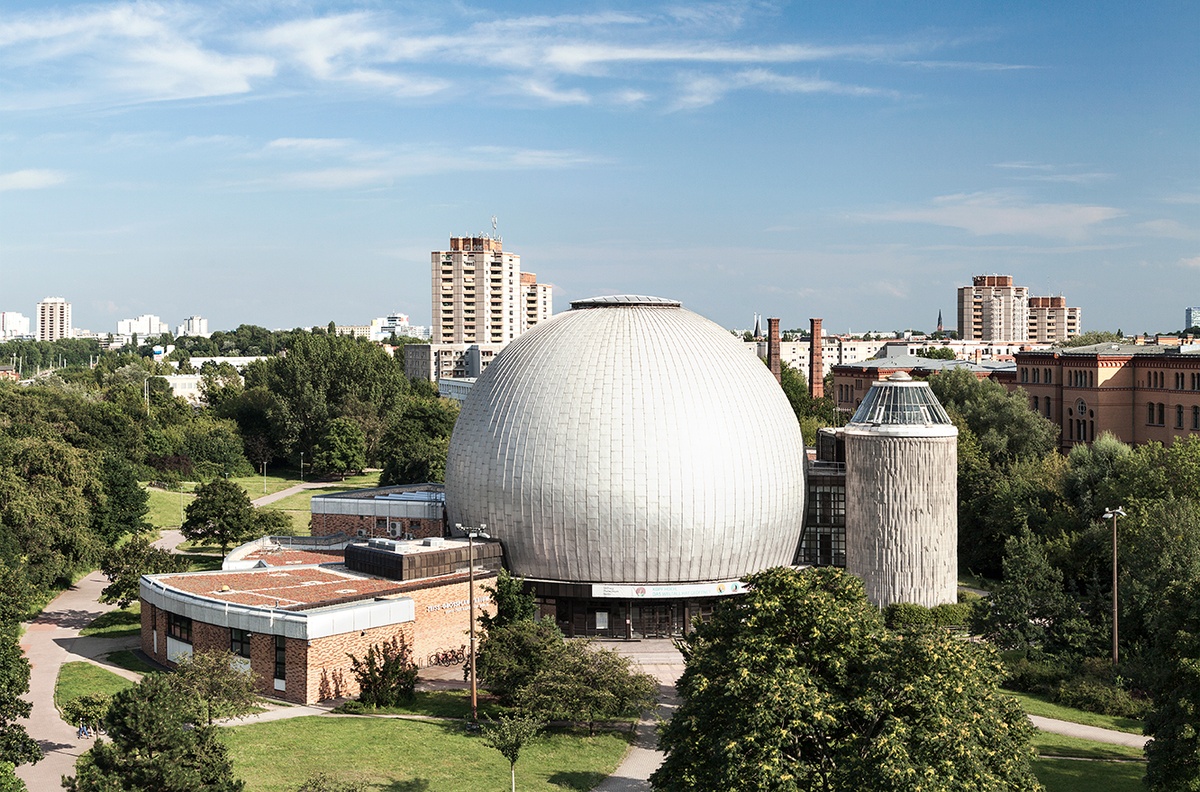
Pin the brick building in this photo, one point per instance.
(413, 511)
(295, 624)
(851, 383)
(1138, 392)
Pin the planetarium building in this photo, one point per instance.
(629, 485)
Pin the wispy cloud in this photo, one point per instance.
(1045, 172)
(31, 179)
(990, 213)
(126, 53)
(1193, 262)
(701, 90)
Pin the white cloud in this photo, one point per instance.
(552, 94)
(308, 144)
(988, 213)
(31, 179)
(1193, 262)
(701, 90)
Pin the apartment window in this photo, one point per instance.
(239, 642)
(280, 657)
(179, 627)
(1178, 416)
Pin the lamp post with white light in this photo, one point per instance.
(472, 533)
(1112, 514)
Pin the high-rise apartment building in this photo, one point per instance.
(1051, 320)
(54, 319)
(145, 326)
(993, 310)
(13, 325)
(477, 297)
(1191, 317)
(196, 326)
(539, 301)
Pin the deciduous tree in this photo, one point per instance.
(341, 449)
(125, 565)
(220, 513)
(797, 685)
(218, 687)
(513, 603)
(509, 734)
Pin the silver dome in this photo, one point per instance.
(629, 441)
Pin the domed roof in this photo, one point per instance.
(629, 441)
(901, 405)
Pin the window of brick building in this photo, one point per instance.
(1162, 415)
(1196, 418)
(280, 657)
(239, 642)
(1150, 416)
(1178, 416)
(179, 627)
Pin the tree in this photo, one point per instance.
(1094, 337)
(221, 513)
(341, 449)
(797, 685)
(387, 675)
(508, 735)
(510, 656)
(219, 688)
(16, 746)
(1023, 608)
(578, 682)
(1173, 753)
(125, 565)
(158, 745)
(88, 709)
(123, 508)
(936, 353)
(513, 603)
(415, 445)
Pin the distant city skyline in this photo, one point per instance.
(287, 165)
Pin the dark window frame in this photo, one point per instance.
(179, 627)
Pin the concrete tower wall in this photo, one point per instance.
(901, 515)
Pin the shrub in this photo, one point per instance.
(951, 614)
(387, 676)
(1093, 696)
(1034, 673)
(907, 614)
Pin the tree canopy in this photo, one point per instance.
(798, 685)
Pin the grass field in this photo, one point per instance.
(430, 757)
(445, 704)
(117, 623)
(1061, 745)
(166, 508)
(79, 679)
(1040, 705)
(126, 659)
(1074, 775)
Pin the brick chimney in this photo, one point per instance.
(773, 349)
(816, 369)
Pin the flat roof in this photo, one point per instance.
(415, 490)
(298, 588)
(275, 556)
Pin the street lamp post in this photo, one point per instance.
(471, 534)
(1112, 514)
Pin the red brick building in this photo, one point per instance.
(295, 624)
(415, 511)
(1138, 392)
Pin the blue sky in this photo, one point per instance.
(289, 163)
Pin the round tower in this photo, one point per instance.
(902, 495)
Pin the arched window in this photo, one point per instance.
(1036, 405)
(1196, 418)
(1150, 417)
(1047, 406)
(1035, 376)
(1162, 415)
(1024, 374)
(1178, 416)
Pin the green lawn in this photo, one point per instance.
(444, 704)
(396, 755)
(123, 658)
(1040, 705)
(1061, 745)
(1073, 775)
(166, 508)
(79, 679)
(116, 624)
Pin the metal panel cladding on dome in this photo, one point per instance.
(598, 453)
